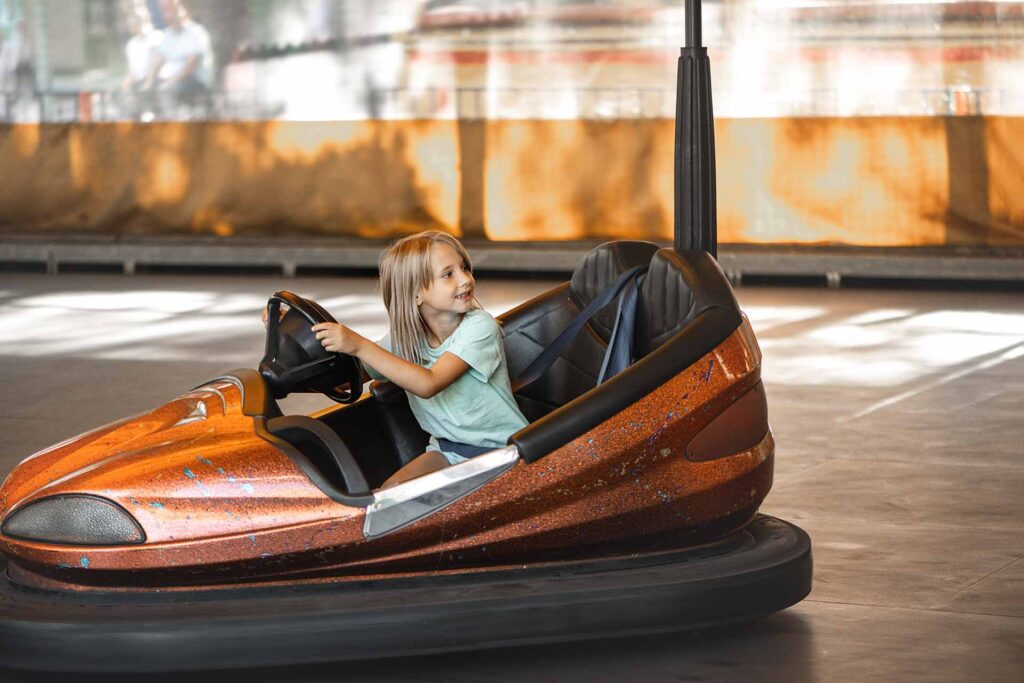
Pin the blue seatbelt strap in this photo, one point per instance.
(464, 450)
(620, 345)
(548, 356)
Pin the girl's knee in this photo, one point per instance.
(434, 458)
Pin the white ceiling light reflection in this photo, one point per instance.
(160, 325)
(850, 336)
(878, 316)
(764, 318)
(236, 303)
(166, 301)
(890, 348)
(986, 322)
(343, 307)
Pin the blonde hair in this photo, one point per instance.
(404, 272)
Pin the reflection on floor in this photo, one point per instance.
(900, 450)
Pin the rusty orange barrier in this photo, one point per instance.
(884, 181)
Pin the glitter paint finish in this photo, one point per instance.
(220, 505)
(625, 486)
(210, 495)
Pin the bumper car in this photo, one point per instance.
(217, 527)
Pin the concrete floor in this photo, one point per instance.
(900, 449)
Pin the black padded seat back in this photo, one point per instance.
(600, 268)
(531, 327)
(685, 309)
(679, 287)
(528, 330)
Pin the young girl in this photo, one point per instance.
(443, 349)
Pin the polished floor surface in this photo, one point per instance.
(899, 420)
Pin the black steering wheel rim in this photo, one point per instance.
(347, 391)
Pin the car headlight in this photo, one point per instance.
(74, 520)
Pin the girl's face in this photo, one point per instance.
(451, 287)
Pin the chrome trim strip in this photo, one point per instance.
(198, 413)
(401, 505)
(210, 389)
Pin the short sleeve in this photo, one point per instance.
(478, 342)
(384, 343)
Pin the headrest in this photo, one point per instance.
(600, 268)
(679, 286)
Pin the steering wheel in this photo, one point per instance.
(295, 360)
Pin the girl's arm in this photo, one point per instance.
(421, 381)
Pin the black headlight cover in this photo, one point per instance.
(74, 519)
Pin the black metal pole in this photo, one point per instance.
(695, 211)
(693, 23)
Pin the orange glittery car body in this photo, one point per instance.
(220, 505)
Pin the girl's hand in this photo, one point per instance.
(337, 338)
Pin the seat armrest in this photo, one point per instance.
(302, 426)
(386, 392)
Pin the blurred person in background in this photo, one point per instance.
(5, 85)
(17, 77)
(139, 53)
(183, 56)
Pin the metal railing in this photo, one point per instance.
(509, 103)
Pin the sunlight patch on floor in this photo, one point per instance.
(889, 348)
(154, 325)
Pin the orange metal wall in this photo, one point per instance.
(857, 181)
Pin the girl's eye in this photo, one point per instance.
(447, 274)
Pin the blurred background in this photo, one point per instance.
(874, 123)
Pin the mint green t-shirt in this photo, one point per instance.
(478, 407)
